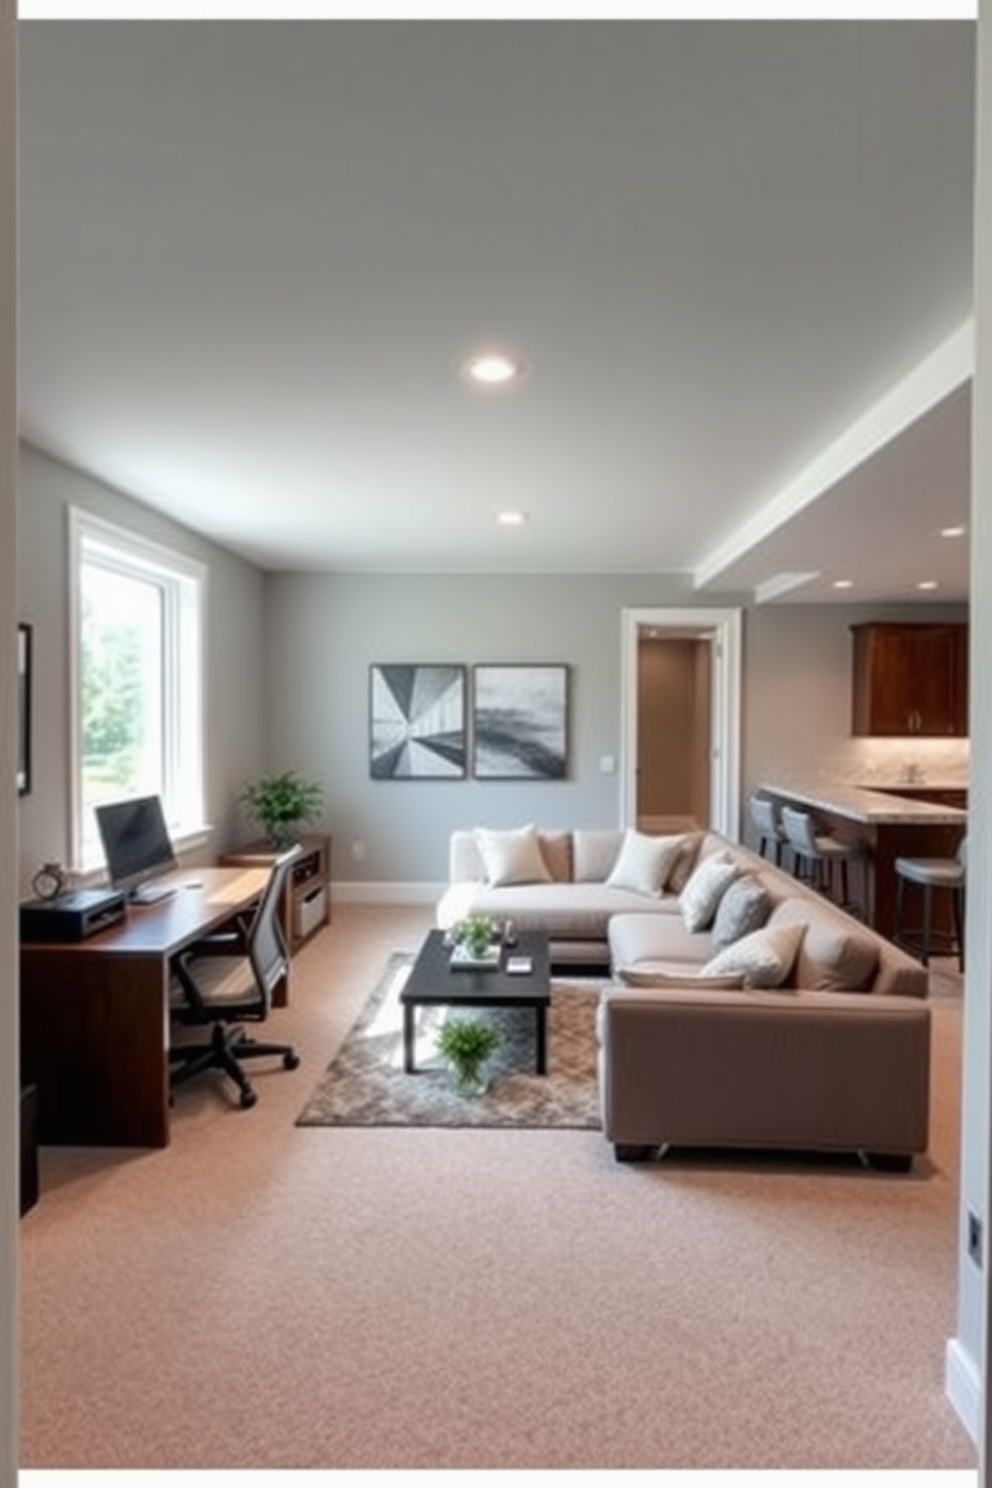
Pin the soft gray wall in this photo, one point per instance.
(235, 706)
(323, 634)
(9, 1061)
(324, 631)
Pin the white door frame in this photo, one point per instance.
(721, 629)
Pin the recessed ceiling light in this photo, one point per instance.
(492, 368)
(953, 531)
(843, 583)
(511, 518)
(927, 584)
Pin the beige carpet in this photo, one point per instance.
(264, 1295)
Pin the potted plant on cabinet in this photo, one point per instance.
(466, 1044)
(281, 804)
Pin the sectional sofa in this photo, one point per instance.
(565, 888)
(768, 1018)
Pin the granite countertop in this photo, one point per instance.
(872, 807)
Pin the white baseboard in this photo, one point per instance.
(963, 1386)
(351, 891)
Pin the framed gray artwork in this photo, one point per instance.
(417, 722)
(520, 722)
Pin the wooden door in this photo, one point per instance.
(673, 732)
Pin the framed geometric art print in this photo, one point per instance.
(417, 722)
(520, 722)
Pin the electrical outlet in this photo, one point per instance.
(358, 851)
(975, 1239)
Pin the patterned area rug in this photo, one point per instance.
(366, 1084)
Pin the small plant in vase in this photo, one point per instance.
(466, 1044)
(281, 804)
(476, 933)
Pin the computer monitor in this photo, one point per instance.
(136, 843)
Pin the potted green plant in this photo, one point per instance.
(476, 933)
(466, 1044)
(281, 804)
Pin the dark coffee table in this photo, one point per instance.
(433, 982)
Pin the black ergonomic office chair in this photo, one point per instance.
(258, 941)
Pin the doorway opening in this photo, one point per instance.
(681, 720)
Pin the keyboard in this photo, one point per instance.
(152, 893)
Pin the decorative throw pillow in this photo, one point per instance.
(730, 981)
(766, 957)
(685, 862)
(744, 907)
(556, 850)
(594, 851)
(512, 857)
(704, 890)
(835, 955)
(644, 863)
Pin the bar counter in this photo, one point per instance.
(884, 825)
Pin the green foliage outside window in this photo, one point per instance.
(112, 702)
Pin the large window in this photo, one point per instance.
(137, 685)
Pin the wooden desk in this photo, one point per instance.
(95, 1014)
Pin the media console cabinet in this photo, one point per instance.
(306, 904)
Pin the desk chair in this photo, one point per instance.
(257, 941)
(930, 874)
(816, 855)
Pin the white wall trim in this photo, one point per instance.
(963, 1386)
(352, 891)
(722, 629)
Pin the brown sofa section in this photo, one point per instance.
(817, 1071)
(837, 1059)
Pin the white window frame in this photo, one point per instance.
(183, 583)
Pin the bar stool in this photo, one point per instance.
(930, 874)
(816, 856)
(767, 826)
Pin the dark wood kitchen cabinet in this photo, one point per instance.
(910, 680)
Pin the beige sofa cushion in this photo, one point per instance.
(765, 957)
(657, 941)
(556, 849)
(512, 857)
(835, 956)
(633, 976)
(565, 911)
(685, 862)
(644, 863)
(594, 851)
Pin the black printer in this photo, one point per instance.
(71, 916)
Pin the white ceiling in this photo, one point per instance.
(253, 254)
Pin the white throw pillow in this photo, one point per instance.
(644, 863)
(766, 957)
(706, 886)
(512, 857)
